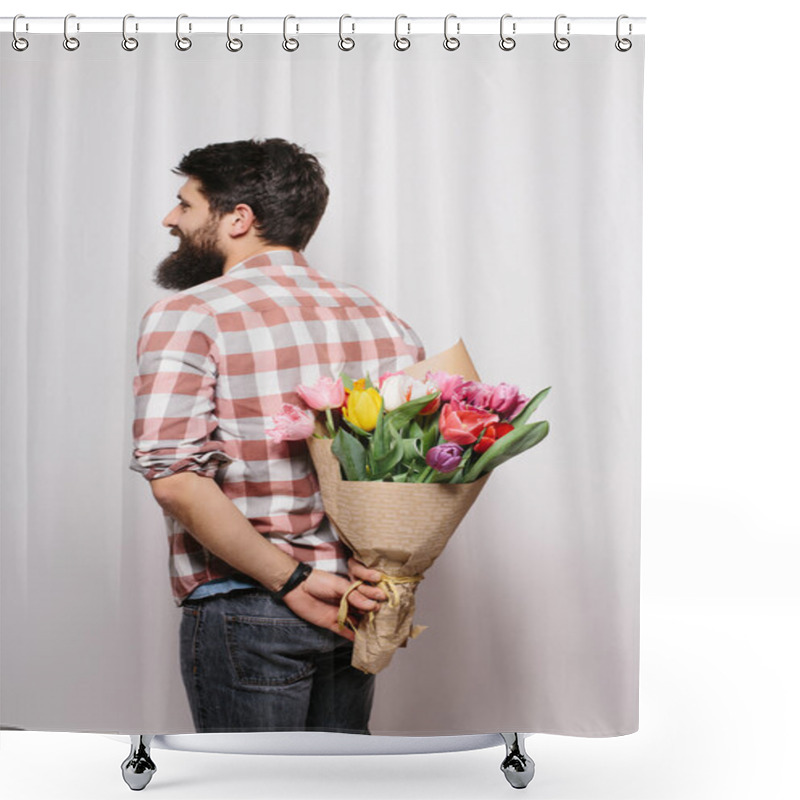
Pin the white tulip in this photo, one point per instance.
(395, 391)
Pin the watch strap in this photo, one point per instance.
(301, 572)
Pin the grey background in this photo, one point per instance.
(480, 194)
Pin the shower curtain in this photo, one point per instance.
(481, 194)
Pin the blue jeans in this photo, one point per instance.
(249, 663)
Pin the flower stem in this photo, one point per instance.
(329, 418)
(426, 473)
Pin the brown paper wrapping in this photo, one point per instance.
(456, 361)
(397, 528)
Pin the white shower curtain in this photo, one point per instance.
(488, 195)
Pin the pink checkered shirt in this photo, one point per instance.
(216, 360)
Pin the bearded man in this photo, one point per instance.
(254, 563)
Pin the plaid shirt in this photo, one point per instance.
(216, 360)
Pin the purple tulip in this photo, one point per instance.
(444, 457)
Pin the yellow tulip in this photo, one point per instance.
(362, 408)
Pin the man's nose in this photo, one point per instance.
(171, 219)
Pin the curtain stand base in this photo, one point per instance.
(139, 768)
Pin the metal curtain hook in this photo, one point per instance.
(70, 42)
(561, 43)
(345, 42)
(507, 42)
(290, 45)
(623, 45)
(18, 43)
(129, 43)
(182, 42)
(234, 45)
(451, 42)
(401, 42)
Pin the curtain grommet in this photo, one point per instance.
(183, 43)
(18, 42)
(129, 43)
(507, 42)
(70, 43)
(451, 43)
(233, 44)
(623, 44)
(346, 43)
(561, 43)
(289, 44)
(401, 43)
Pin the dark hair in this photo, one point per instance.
(283, 185)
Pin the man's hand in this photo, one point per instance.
(358, 572)
(317, 598)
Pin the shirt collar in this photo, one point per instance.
(272, 261)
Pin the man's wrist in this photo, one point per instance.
(301, 572)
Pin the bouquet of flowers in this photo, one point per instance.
(399, 465)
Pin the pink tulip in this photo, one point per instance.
(326, 393)
(461, 424)
(522, 401)
(476, 394)
(292, 424)
(448, 384)
(503, 398)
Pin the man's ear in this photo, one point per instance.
(240, 220)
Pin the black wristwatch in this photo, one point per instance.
(302, 571)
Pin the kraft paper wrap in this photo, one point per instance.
(397, 528)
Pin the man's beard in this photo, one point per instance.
(196, 260)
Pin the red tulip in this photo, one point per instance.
(491, 435)
(461, 424)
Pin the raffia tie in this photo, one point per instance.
(387, 583)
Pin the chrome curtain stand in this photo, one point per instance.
(138, 768)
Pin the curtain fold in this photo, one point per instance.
(488, 195)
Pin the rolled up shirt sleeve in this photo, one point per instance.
(175, 421)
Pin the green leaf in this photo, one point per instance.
(431, 437)
(353, 427)
(379, 442)
(351, 454)
(415, 430)
(347, 381)
(455, 477)
(411, 450)
(381, 465)
(403, 414)
(530, 407)
(508, 446)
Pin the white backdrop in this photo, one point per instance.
(720, 528)
(489, 195)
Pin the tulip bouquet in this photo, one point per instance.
(399, 465)
(445, 429)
